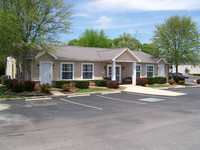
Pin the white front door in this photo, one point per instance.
(45, 72)
(161, 71)
(118, 72)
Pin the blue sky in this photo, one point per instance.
(137, 17)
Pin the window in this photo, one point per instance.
(150, 71)
(67, 71)
(138, 70)
(87, 71)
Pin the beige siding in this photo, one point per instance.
(98, 68)
(128, 71)
(126, 56)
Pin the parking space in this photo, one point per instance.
(110, 121)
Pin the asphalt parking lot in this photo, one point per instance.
(103, 122)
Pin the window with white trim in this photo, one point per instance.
(87, 71)
(67, 71)
(150, 71)
(138, 71)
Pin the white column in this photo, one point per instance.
(113, 70)
(134, 74)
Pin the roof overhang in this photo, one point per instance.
(130, 52)
(44, 52)
(163, 60)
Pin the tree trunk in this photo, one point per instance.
(23, 68)
(176, 69)
(17, 70)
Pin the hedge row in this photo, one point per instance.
(60, 83)
(159, 80)
(18, 87)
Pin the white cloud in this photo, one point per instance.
(142, 5)
(81, 15)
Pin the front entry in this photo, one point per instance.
(118, 72)
(161, 71)
(45, 72)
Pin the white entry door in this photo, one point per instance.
(118, 72)
(45, 72)
(161, 71)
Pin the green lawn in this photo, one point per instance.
(2, 96)
(90, 90)
(195, 76)
(159, 85)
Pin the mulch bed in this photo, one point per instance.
(26, 93)
(74, 89)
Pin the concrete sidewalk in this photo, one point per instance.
(151, 91)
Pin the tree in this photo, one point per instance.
(25, 24)
(151, 49)
(178, 40)
(92, 38)
(126, 40)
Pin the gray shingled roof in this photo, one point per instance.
(77, 53)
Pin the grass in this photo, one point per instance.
(90, 90)
(2, 96)
(159, 85)
(195, 76)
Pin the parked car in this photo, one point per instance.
(186, 75)
(171, 75)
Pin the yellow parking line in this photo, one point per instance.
(81, 104)
(118, 99)
(151, 95)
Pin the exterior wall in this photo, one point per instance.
(192, 69)
(126, 56)
(98, 68)
(128, 69)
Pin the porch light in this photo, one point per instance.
(38, 66)
(123, 68)
(54, 67)
(104, 67)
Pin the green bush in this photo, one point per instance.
(151, 80)
(60, 83)
(7, 82)
(66, 87)
(160, 80)
(100, 82)
(45, 88)
(82, 84)
(181, 82)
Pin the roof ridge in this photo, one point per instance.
(112, 49)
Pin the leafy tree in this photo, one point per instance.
(126, 40)
(92, 38)
(73, 42)
(25, 24)
(178, 40)
(151, 49)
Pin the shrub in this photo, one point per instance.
(82, 84)
(198, 81)
(182, 82)
(0, 80)
(151, 80)
(18, 87)
(141, 81)
(160, 80)
(112, 84)
(12, 83)
(60, 83)
(66, 87)
(171, 82)
(100, 82)
(29, 85)
(45, 88)
(178, 78)
(7, 82)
